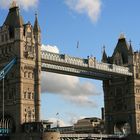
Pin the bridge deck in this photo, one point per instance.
(89, 68)
(90, 136)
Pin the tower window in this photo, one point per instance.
(24, 95)
(32, 95)
(29, 95)
(25, 74)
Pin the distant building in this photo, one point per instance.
(89, 125)
(86, 125)
(64, 130)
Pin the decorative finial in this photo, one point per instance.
(36, 13)
(103, 47)
(130, 41)
(122, 36)
(13, 4)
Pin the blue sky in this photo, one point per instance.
(93, 23)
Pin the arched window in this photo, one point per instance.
(25, 74)
(25, 95)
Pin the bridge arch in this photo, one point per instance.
(122, 127)
(7, 125)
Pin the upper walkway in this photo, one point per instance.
(90, 136)
(88, 68)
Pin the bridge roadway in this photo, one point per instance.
(88, 68)
(89, 136)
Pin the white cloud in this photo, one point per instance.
(91, 8)
(50, 48)
(69, 88)
(24, 4)
(61, 123)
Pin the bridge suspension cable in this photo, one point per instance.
(3, 113)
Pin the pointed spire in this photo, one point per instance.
(104, 56)
(14, 19)
(130, 48)
(36, 25)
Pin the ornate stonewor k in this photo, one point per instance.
(22, 83)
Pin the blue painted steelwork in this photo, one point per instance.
(7, 68)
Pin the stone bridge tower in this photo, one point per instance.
(122, 95)
(22, 83)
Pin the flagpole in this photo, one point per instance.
(57, 114)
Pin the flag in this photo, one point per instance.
(77, 44)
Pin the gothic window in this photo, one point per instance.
(29, 75)
(29, 115)
(32, 95)
(29, 95)
(138, 106)
(24, 74)
(137, 90)
(138, 124)
(24, 95)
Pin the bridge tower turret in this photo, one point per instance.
(122, 95)
(22, 83)
(37, 37)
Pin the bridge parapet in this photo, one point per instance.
(64, 58)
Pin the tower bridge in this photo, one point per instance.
(21, 92)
